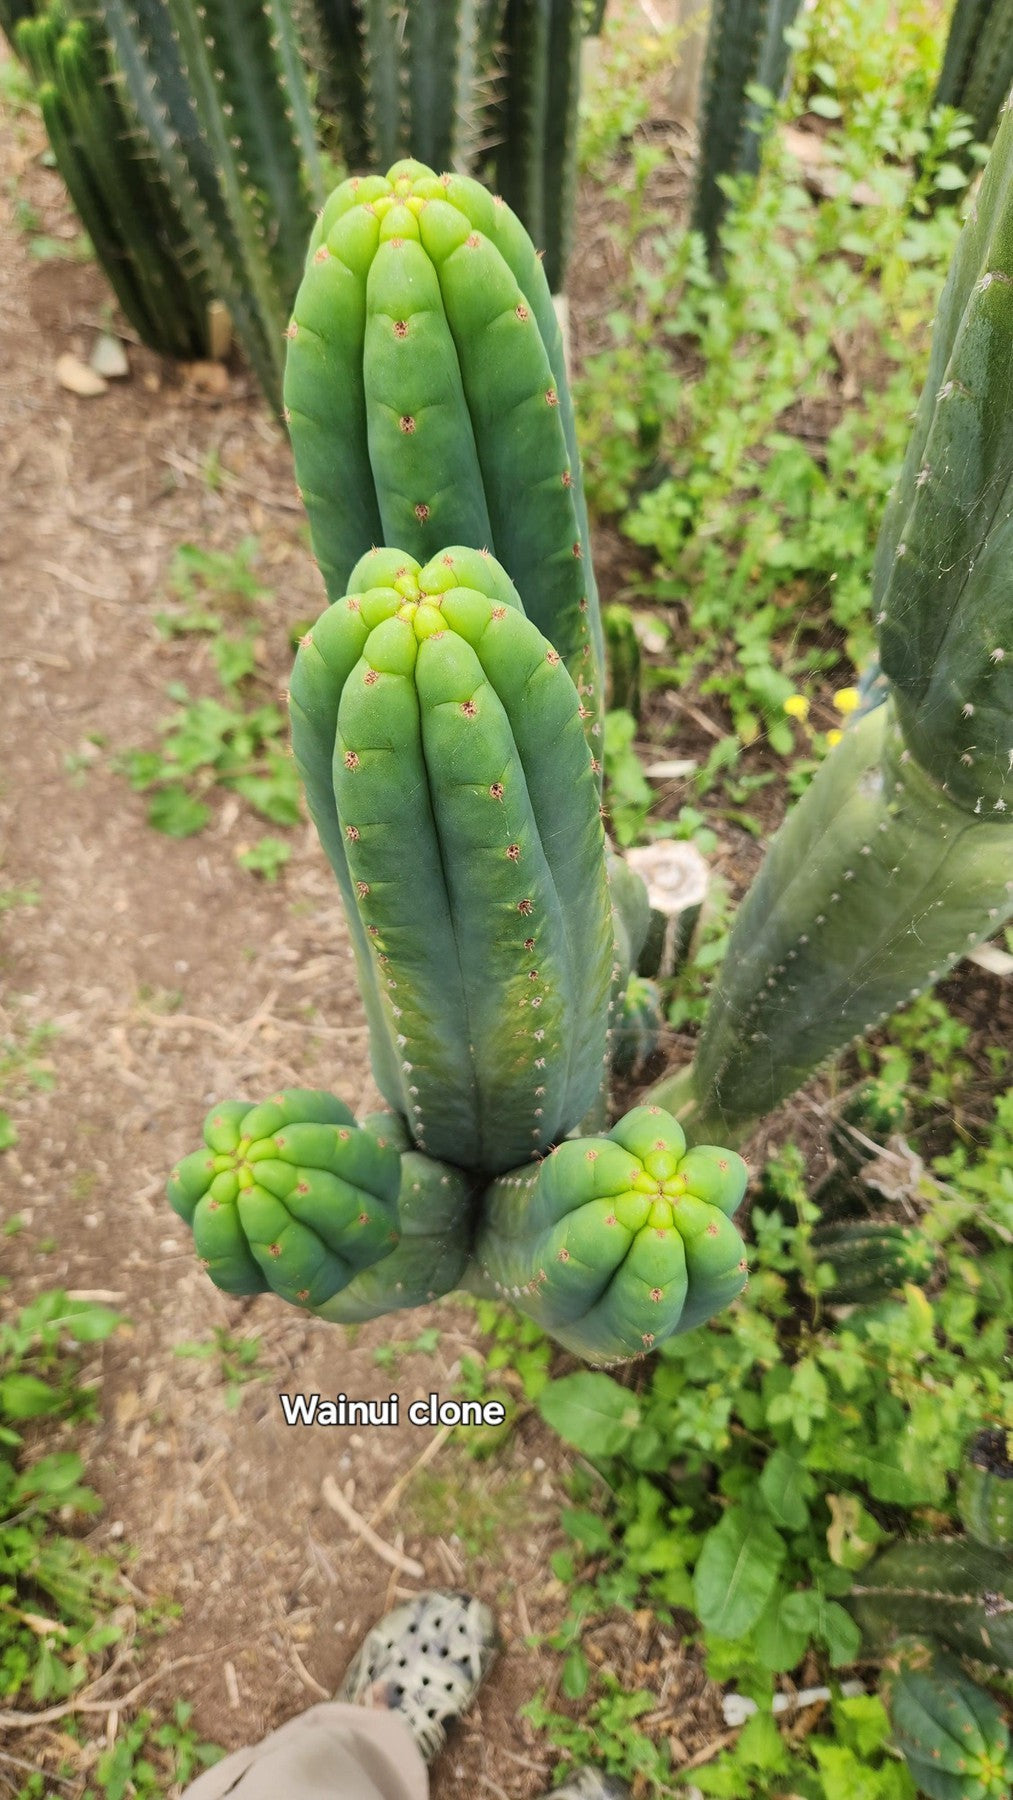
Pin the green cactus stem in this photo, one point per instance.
(434, 1217)
(427, 400)
(636, 1032)
(945, 1588)
(985, 1489)
(289, 1195)
(462, 822)
(871, 1258)
(978, 62)
(746, 44)
(868, 1117)
(950, 1732)
(614, 1243)
(535, 123)
(898, 860)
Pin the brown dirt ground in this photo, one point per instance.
(173, 978)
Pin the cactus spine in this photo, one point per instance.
(427, 400)
(898, 859)
(471, 861)
(950, 1732)
(614, 1243)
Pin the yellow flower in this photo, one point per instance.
(797, 706)
(847, 700)
(834, 737)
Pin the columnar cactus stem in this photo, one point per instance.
(946, 1588)
(463, 824)
(899, 858)
(428, 404)
(745, 44)
(614, 1243)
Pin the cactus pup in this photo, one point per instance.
(614, 1243)
(441, 743)
(290, 1195)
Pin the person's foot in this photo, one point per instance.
(426, 1660)
(590, 1784)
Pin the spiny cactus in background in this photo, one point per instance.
(535, 123)
(746, 46)
(985, 1490)
(945, 1588)
(899, 857)
(612, 1244)
(290, 1195)
(187, 134)
(637, 1029)
(408, 80)
(950, 1732)
(444, 758)
(427, 400)
(978, 62)
(870, 1258)
(122, 198)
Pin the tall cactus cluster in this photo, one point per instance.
(185, 135)
(446, 718)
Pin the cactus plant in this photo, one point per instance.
(289, 1195)
(636, 1032)
(614, 1243)
(978, 62)
(746, 45)
(898, 858)
(985, 1489)
(122, 198)
(535, 122)
(427, 399)
(422, 707)
(186, 139)
(870, 1258)
(950, 1732)
(947, 1588)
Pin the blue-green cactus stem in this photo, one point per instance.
(471, 861)
(290, 1195)
(427, 400)
(614, 1243)
(874, 887)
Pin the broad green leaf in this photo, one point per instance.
(590, 1411)
(784, 1485)
(26, 1397)
(737, 1572)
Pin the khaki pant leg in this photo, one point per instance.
(331, 1752)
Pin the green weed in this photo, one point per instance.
(238, 1360)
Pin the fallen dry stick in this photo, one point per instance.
(336, 1500)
